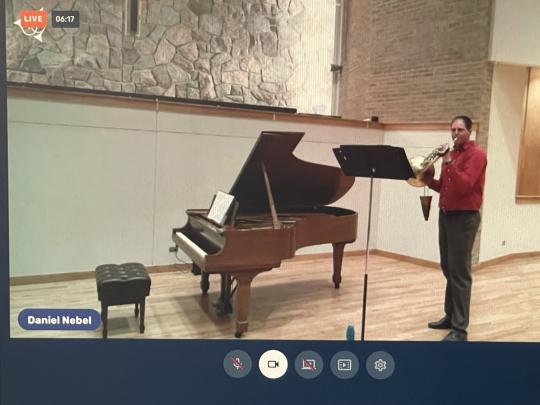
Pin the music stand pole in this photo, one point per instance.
(372, 161)
(364, 299)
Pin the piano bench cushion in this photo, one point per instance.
(127, 283)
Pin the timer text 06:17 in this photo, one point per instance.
(65, 19)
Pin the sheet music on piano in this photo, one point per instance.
(220, 208)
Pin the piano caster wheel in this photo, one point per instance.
(238, 334)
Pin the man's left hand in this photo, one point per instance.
(447, 158)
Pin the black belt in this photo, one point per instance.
(457, 212)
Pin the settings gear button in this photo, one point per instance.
(380, 365)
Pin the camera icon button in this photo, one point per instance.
(273, 364)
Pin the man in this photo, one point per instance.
(461, 188)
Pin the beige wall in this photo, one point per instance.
(90, 185)
(508, 227)
(310, 85)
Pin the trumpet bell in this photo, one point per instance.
(418, 170)
(421, 165)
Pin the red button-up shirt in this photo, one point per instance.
(461, 184)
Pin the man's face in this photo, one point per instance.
(460, 134)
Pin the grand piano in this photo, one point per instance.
(282, 205)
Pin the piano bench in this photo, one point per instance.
(127, 283)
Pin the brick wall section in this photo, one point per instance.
(418, 60)
(356, 58)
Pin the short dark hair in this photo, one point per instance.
(466, 120)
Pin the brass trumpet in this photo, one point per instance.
(420, 164)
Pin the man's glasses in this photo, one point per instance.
(458, 130)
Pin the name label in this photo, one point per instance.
(59, 319)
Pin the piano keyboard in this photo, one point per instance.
(191, 249)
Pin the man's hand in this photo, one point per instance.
(447, 158)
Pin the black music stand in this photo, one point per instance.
(373, 161)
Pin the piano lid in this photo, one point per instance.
(295, 183)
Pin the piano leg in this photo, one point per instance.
(338, 260)
(205, 282)
(223, 305)
(243, 298)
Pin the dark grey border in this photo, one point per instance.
(4, 222)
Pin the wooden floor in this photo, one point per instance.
(298, 301)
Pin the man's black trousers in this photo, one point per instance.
(457, 230)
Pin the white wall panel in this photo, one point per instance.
(46, 112)
(92, 185)
(78, 197)
(82, 195)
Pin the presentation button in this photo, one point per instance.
(237, 364)
(344, 365)
(273, 364)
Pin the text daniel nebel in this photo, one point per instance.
(59, 320)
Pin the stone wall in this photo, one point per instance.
(226, 50)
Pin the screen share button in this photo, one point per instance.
(308, 364)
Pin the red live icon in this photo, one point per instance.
(33, 18)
